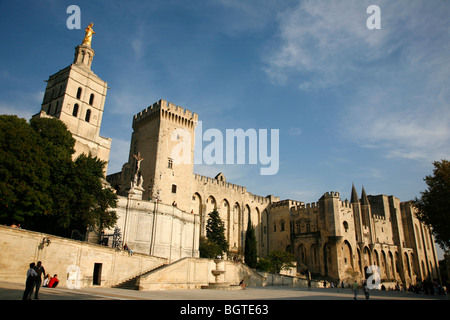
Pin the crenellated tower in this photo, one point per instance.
(163, 134)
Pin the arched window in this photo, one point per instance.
(56, 108)
(88, 115)
(75, 110)
(345, 226)
(79, 93)
(91, 99)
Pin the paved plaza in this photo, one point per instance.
(264, 303)
(14, 291)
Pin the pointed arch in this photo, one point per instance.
(235, 226)
(326, 258)
(347, 255)
(211, 204)
(225, 215)
(196, 204)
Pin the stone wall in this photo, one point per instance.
(192, 273)
(157, 229)
(18, 248)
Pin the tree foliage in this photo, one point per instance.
(276, 261)
(24, 172)
(434, 204)
(42, 188)
(209, 249)
(250, 254)
(215, 232)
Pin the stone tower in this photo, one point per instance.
(76, 96)
(163, 135)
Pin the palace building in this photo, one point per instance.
(164, 205)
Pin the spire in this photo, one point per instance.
(354, 197)
(364, 199)
(84, 54)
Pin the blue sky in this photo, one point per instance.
(353, 105)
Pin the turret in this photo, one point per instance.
(367, 216)
(356, 206)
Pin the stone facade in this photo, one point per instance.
(341, 239)
(157, 229)
(157, 133)
(77, 263)
(331, 238)
(163, 205)
(76, 96)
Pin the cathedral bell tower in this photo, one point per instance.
(76, 96)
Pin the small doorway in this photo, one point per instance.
(97, 279)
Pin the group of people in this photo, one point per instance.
(34, 280)
(429, 287)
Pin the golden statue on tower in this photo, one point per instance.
(88, 35)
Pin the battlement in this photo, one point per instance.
(379, 217)
(304, 206)
(287, 203)
(231, 186)
(168, 111)
(346, 204)
(223, 184)
(332, 194)
(260, 199)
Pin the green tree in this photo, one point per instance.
(58, 144)
(434, 204)
(276, 261)
(93, 203)
(215, 231)
(24, 172)
(250, 253)
(208, 249)
(42, 188)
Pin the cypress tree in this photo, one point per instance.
(250, 253)
(215, 231)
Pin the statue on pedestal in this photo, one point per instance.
(88, 35)
(138, 181)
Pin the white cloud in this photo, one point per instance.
(19, 111)
(397, 79)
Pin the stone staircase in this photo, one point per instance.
(131, 284)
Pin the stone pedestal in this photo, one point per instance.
(218, 284)
(135, 193)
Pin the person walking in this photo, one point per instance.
(38, 280)
(355, 290)
(29, 283)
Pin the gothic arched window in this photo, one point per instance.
(75, 110)
(88, 115)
